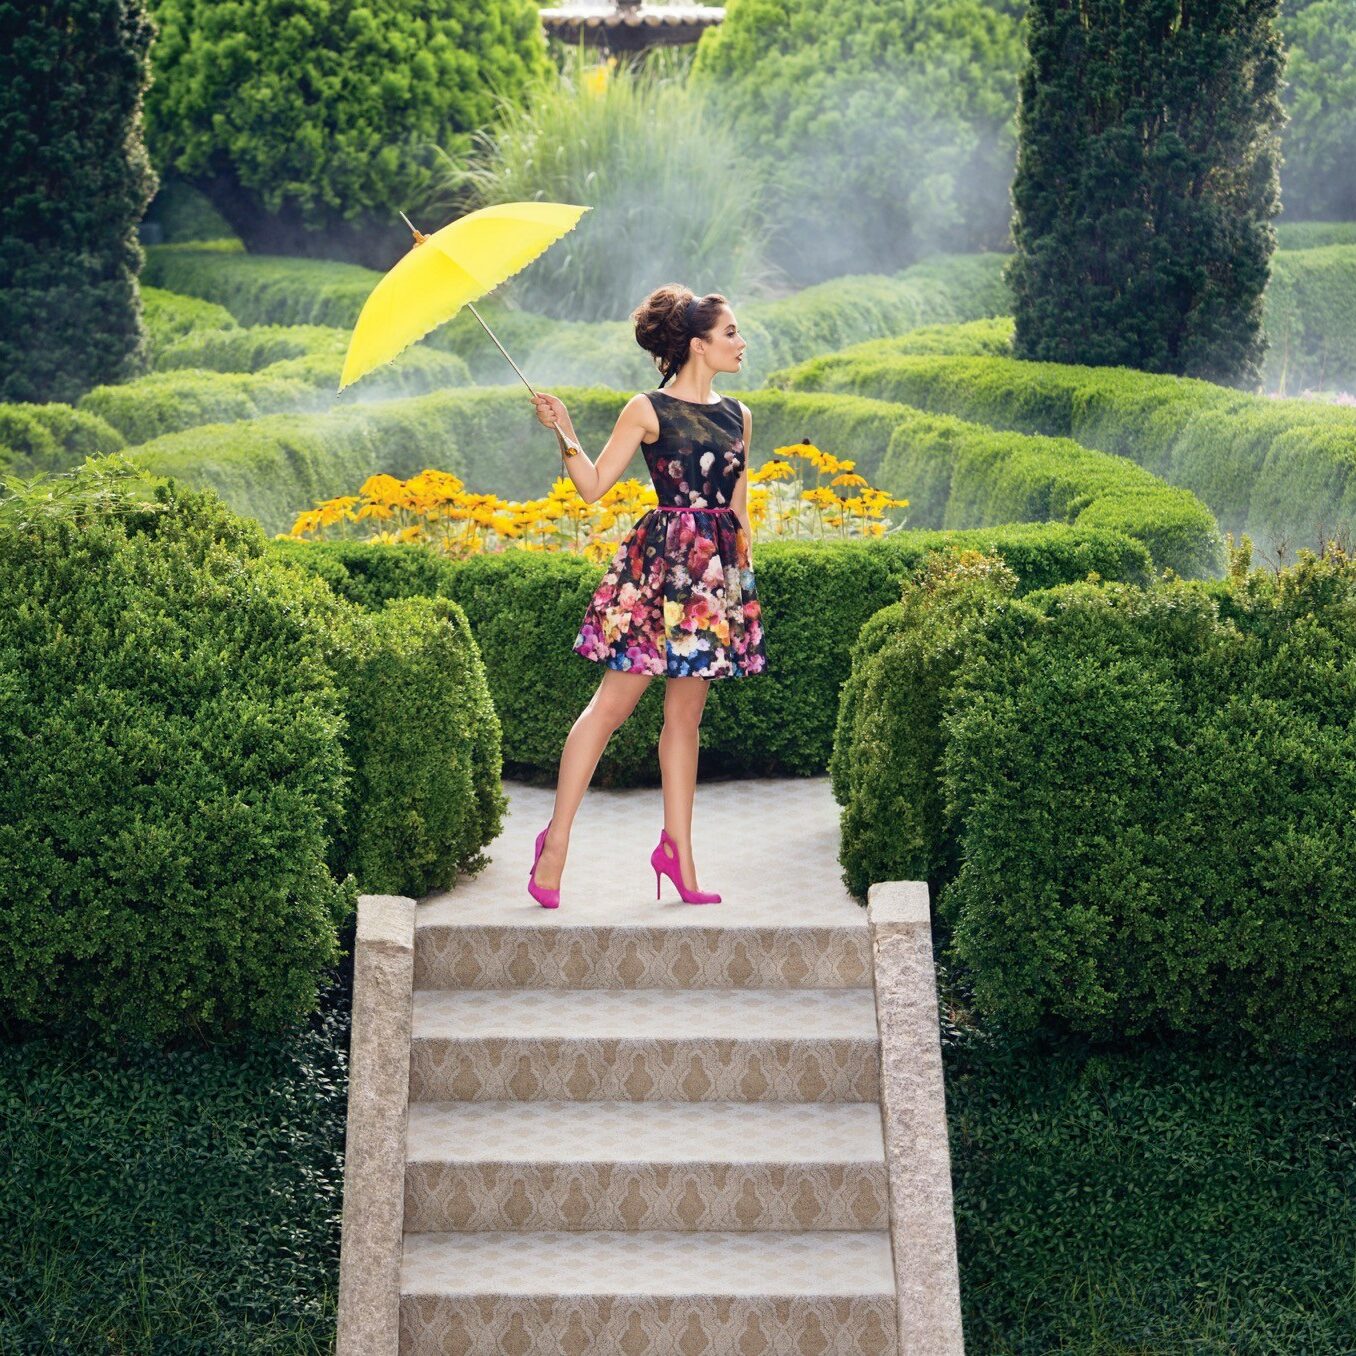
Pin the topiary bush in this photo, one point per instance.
(1152, 792)
(170, 764)
(888, 741)
(424, 743)
(1146, 181)
(76, 182)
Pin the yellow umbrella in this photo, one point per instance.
(448, 270)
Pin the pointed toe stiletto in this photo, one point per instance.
(548, 899)
(664, 859)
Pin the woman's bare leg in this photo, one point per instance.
(684, 699)
(609, 706)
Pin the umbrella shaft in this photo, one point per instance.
(499, 346)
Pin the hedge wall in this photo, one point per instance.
(170, 317)
(166, 402)
(47, 438)
(268, 290)
(524, 610)
(1149, 789)
(1311, 320)
(250, 348)
(957, 475)
(1312, 235)
(1276, 468)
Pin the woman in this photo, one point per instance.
(679, 598)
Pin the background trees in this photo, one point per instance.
(76, 182)
(1146, 181)
(310, 122)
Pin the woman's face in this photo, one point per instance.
(724, 344)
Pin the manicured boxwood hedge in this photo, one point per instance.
(268, 290)
(50, 437)
(956, 475)
(250, 348)
(171, 317)
(423, 741)
(1149, 789)
(1276, 468)
(524, 610)
(198, 742)
(1311, 321)
(168, 401)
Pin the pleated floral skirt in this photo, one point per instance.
(678, 600)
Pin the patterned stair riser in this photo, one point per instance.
(643, 1325)
(502, 1196)
(696, 1069)
(640, 958)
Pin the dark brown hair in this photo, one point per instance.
(669, 319)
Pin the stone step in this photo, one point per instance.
(566, 954)
(645, 1166)
(720, 1293)
(740, 1045)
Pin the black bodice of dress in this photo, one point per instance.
(699, 454)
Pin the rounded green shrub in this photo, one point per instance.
(423, 740)
(888, 743)
(170, 767)
(1153, 794)
(45, 438)
(307, 125)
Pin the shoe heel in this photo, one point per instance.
(657, 879)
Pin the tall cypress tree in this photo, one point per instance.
(72, 74)
(1146, 183)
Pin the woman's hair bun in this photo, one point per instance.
(668, 319)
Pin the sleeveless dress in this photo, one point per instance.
(678, 598)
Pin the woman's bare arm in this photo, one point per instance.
(594, 479)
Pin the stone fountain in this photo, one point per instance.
(629, 27)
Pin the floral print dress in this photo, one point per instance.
(678, 598)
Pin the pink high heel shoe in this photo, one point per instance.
(665, 859)
(548, 899)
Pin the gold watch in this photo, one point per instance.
(568, 447)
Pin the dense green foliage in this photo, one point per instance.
(1279, 469)
(886, 129)
(170, 755)
(45, 438)
(1311, 320)
(1146, 182)
(171, 318)
(307, 126)
(423, 741)
(889, 739)
(76, 182)
(1150, 1199)
(248, 348)
(1320, 139)
(268, 291)
(168, 401)
(643, 149)
(1150, 788)
(1188, 861)
(524, 610)
(184, 1199)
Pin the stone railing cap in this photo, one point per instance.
(898, 902)
(386, 918)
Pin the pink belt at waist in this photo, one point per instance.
(688, 508)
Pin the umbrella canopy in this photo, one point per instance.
(447, 270)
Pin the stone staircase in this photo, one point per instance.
(641, 1127)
